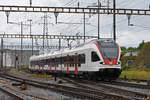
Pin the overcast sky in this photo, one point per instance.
(126, 35)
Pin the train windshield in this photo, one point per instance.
(109, 50)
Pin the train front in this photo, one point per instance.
(110, 65)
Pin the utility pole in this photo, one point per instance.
(68, 43)
(44, 27)
(5, 60)
(98, 20)
(1, 53)
(114, 19)
(21, 43)
(108, 2)
(30, 2)
(30, 20)
(84, 26)
(60, 43)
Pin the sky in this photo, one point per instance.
(126, 35)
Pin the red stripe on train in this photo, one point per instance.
(98, 49)
(55, 66)
(67, 64)
(107, 61)
(110, 62)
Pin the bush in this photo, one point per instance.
(25, 67)
(16, 70)
(125, 68)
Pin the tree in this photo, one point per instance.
(141, 45)
(123, 49)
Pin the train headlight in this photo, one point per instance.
(102, 63)
(118, 63)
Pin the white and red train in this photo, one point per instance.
(96, 59)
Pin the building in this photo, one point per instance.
(135, 53)
(13, 57)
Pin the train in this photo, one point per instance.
(97, 59)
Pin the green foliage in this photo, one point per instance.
(16, 70)
(124, 50)
(135, 74)
(132, 49)
(42, 75)
(124, 59)
(6, 67)
(141, 45)
(126, 68)
(144, 69)
(143, 60)
(25, 67)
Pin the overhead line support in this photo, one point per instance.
(70, 37)
(119, 11)
(114, 20)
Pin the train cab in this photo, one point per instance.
(107, 57)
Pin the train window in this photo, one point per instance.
(64, 60)
(94, 57)
(79, 65)
(72, 59)
(48, 61)
(53, 62)
(81, 58)
(65, 65)
(72, 65)
(57, 60)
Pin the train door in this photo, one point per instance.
(87, 60)
(82, 60)
(95, 60)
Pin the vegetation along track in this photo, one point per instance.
(88, 93)
(109, 89)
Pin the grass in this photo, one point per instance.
(16, 70)
(136, 74)
(44, 76)
(125, 68)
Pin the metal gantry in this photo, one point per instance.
(30, 47)
(120, 11)
(70, 37)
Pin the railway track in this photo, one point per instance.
(10, 93)
(88, 93)
(126, 84)
(110, 89)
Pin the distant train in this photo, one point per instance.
(97, 59)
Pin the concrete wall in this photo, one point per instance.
(13, 57)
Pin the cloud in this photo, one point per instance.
(125, 36)
(133, 38)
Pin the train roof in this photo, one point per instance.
(67, 50)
